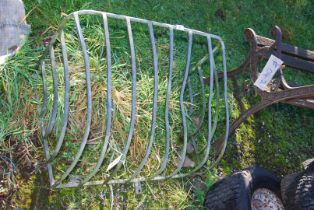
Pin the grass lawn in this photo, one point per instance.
(278, 138)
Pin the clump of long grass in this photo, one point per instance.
(19, 102)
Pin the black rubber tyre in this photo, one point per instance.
(235, 192)
(298, 191)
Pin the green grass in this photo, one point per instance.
(278, 138)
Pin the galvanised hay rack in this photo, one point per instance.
(160, 174)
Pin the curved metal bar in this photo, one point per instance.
(200, 76)
(298, 92)
(215, 122)
(53, 116)
(109, 103)
(168, 93)
(111, 197)
(226, 104)
(139, 20)
(210, 99)
(66, 98)
(45, 96)
(202, 81)
(206, 81)
(268, 99)
(199, 126)
(250, 36)
(154, 115)
(89, 101)
(49, 165)
(183, 113)
(133, 112)
(191, 95)
(276, 49)
(276, 31)
(217, 98)
(42, 115)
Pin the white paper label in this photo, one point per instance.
(270, 69)
(114, 163)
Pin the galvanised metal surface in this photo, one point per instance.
(161, 173)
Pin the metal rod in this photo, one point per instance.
(155, 98)
(42, 114)
(45, 96)
(133, 112)
(168, 94)
(66, 98)
(224, 63)
(199, 126)
(54, 111)
(111, 197)
(89, 101)
(139, 20)
(191, 96)
(210, 100)
(183, 113)
(109, 103)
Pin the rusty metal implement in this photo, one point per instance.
(279, 90)
(108, 170)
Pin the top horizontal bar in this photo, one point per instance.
(139, 20)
